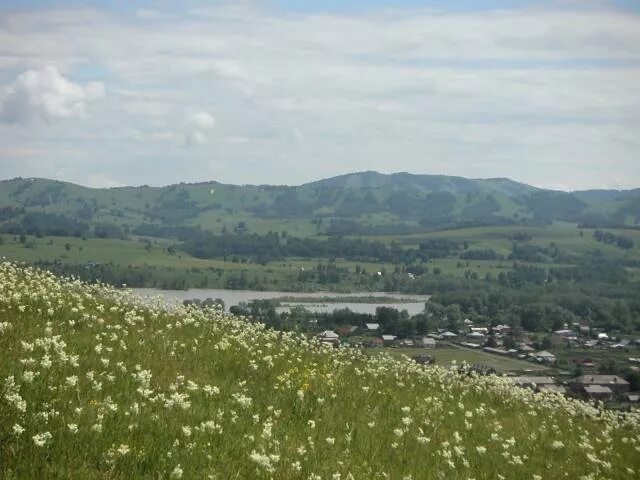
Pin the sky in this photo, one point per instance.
(157, 92)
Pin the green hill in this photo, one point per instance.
(367, 203)
(96, 385)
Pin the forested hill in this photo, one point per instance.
(366, 203)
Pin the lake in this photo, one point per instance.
(414, 304)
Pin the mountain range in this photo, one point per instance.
(365, 203)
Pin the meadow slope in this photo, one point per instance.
(95, 385)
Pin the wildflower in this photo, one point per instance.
(177, 472)
(330, 440)
(17, 430)
(73, 428)
(41, 439)
(481, 450)
(123, 449)
(265, 461)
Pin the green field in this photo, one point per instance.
(154, 253)
(564, 235)
(448, 356)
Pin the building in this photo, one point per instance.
(388, 339)
(371, 327)
(544, 357)
(633, 397)
(329, 336)
(428, 342)
(598, 392)
(616, 384)
(481, 330)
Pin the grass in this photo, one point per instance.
(447, 356)
(565, 235)
(94, 385)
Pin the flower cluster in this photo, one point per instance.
(118, 386)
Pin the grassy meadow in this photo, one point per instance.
(455, 355)
(95, 385)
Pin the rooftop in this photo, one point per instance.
(600, 380)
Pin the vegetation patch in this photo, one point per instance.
(95, 385)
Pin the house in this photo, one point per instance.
(633, 397)
(329, 336)
(523, 347)
(470, 345)
(622, 344)
(371, 327)
(533, 382)
(388, 339)
(428, 342)
(565, 333)
(467, 322)
(501, 328)
(544, 357)
(598, 392)
(476, 335)
(603, 336)
(406, 342)
(616, 384)
(448, 334)
(480, 330)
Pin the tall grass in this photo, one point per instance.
(96, 385)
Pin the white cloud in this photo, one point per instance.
(46, 95)
(279, 97)
(202, 120)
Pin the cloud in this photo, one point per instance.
(274, 96)
(202, 120)
(46, 95)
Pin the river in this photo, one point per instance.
(414, 304)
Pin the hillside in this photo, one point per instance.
(96, 385)
(367, 203)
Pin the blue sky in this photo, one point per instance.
(282, 91)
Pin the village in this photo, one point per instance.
(575, 361)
